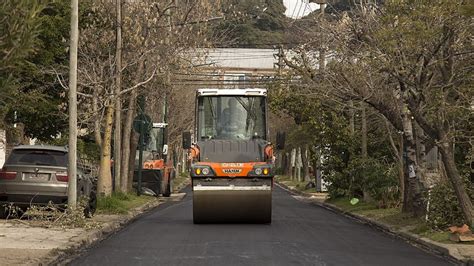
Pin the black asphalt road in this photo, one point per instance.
(300, 234)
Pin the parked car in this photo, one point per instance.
(37, 175)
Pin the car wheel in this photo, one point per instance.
(91, 206)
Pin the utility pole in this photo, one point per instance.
(167, 89)
(72, 153)
(118, 102)
(280, 60)
(141, 131)
(322, 50)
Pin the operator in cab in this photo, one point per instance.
(233, 121)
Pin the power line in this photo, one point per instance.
(270, 43)
(190, 22)
(217, 74)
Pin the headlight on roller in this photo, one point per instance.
(258, 171)
(205, 171)
(198, 171)
(266, 171)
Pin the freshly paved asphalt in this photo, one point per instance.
(300, 234)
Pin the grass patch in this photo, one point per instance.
(121, 203)
(301, 186)
(344, 204)
(439, 236)
(393, 217)
(180, 181)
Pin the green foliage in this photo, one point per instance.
(338, 6)
(86, 148)
(19, 29)
(113, 204)
(468, 9)
(378, 179)
(444, 209)
(370, 175)
(250, 24)
(40, 101)
(328, 129)
(43, 116)
(120, 203)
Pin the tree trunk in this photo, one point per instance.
(447, 155)
(127, 134)
(104, 184)
(364, 132)
(401, 170)
(364, 151)
(398, 156)
(317, 168)
(118, 101)
(98, 118)
(352, 117)
(131, 159)
(412, 198)
(306, 163)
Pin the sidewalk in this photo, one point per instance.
(460, 253)
(21, 243)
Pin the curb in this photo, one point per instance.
(425, 244)
(65, 255)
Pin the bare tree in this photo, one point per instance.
(106, 80)
(409, 62)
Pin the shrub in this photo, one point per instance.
(444, 207)
(370, 175)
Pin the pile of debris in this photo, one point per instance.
(461, 234)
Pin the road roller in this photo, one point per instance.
(231, 159)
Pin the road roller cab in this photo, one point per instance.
(231, 157)
(157, 170)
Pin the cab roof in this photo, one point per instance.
(232, 92)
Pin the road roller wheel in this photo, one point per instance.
(215, 206)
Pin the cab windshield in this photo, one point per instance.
(154, 140)
(231, 117)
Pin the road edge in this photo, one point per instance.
(415, 240)
(65, 255)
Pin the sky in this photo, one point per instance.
(299, 8)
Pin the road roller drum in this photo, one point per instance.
(232, 204)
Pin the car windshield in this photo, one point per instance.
(231, 117)
(37, 157)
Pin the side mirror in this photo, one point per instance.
(186, 140)
(280, 140)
